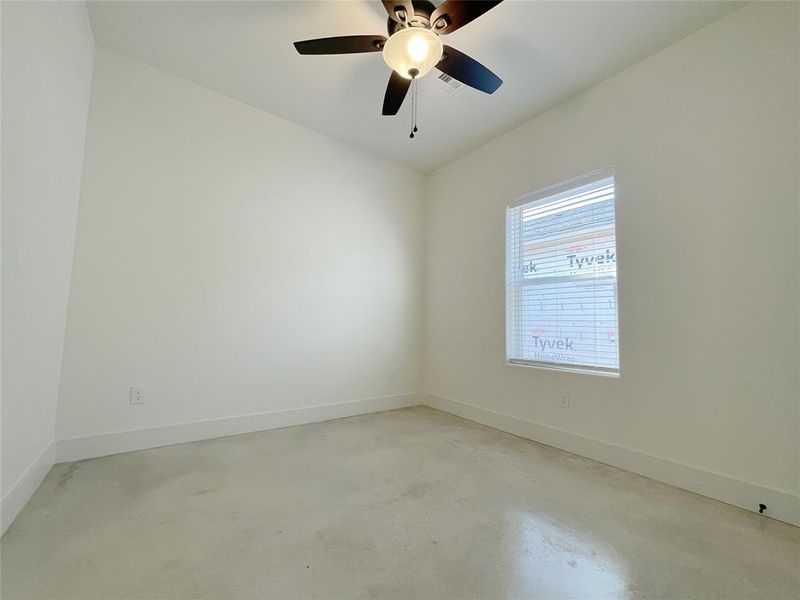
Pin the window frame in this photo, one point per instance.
(541, 194)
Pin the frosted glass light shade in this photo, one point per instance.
(412, 48)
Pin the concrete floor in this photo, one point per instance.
(412, 503)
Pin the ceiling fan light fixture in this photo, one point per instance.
(412, 48)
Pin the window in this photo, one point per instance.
(561, 277)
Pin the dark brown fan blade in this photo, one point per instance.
(399, 10)
(395, 94)
(348, 44)
(453, 14)
(468, 71)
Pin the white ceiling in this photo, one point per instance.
(544, 52)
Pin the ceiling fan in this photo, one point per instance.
(414, 47)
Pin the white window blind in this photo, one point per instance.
(561, 277)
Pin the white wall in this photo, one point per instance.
(231, 263)
(47, 51)
(704, 140)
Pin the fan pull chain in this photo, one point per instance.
(411, 135)
(413, 106)
(413, 73)
(416, 106)
(414, 86)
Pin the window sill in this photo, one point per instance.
(561, 368)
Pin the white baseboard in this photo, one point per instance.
(17, 497)
(117, 442)
(781, 505)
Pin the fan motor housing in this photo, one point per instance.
(422, 17)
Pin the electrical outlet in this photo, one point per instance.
(137, 395)
(563, 400)
(393, 374)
